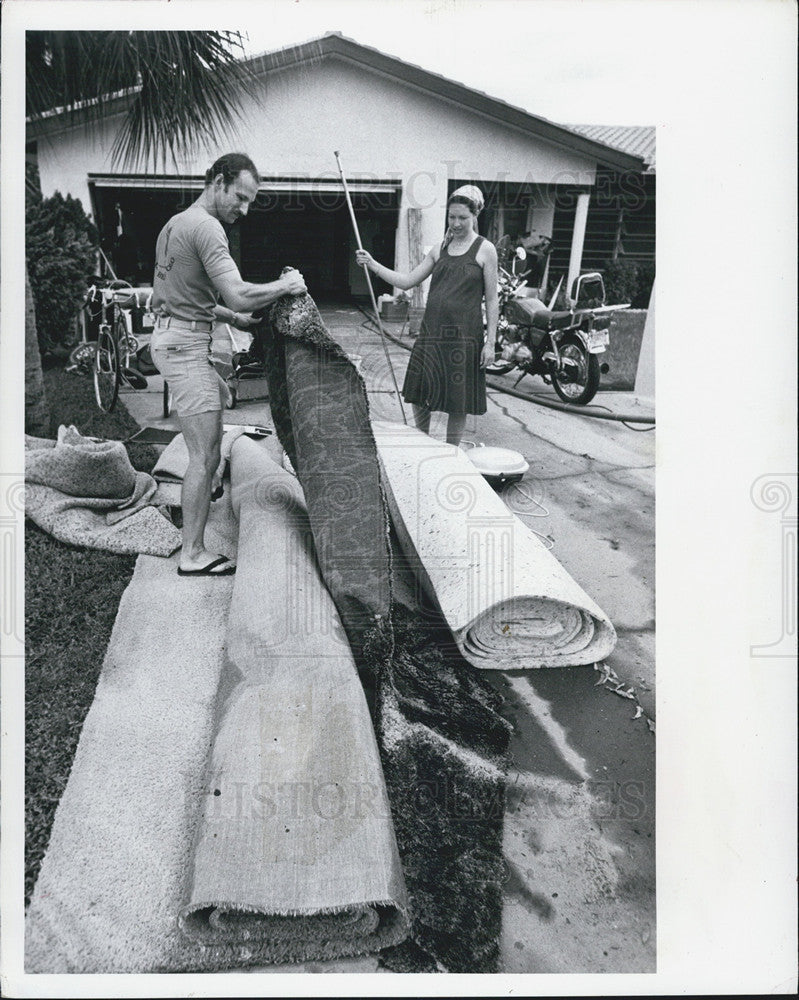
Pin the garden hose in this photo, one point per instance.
(581, 411)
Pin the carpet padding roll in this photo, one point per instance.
(295, 851)
(507, 600)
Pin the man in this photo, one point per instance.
(193, 267)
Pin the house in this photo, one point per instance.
(407, 137)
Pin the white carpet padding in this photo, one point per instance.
(507, 600)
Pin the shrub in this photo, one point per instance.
(627, 281)
(646, 278)
(621, 280)
(61, 244)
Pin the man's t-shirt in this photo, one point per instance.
(191, 249)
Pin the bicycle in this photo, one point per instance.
(111, 307)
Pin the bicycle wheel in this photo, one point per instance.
(105, 372)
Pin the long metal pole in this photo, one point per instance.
(371, 290)
(108, 264)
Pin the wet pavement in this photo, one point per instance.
(579, 835)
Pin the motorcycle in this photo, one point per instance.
(562, 346)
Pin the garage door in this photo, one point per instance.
(301, 222)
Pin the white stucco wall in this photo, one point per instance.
(382, 128)
(389, 129)
(67, 157)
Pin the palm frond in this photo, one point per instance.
(185, 87)
(191, 89)
(63, 70)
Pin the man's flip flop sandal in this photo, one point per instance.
(210, 569)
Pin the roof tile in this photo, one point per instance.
(636, 139)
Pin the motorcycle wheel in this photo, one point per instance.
(580, 387)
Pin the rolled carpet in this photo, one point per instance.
(124, 863)
(295, 854)
(506, 599)
(443, 742)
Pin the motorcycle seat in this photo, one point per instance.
(533, 312)
(522, 310)
(546, 319)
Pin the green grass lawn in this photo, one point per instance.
(71, 600)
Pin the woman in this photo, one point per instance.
(446, 371)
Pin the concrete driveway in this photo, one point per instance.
(580, 818)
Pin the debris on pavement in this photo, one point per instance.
(610, 679)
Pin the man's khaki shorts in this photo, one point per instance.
(183, 357)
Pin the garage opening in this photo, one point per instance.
(304, 224)
(311, 230)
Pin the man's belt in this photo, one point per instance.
(203, 325)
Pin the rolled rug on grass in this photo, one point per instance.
(295, 855)
(84, 491)
(506, 599)
(114, 876)
(147, 828)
